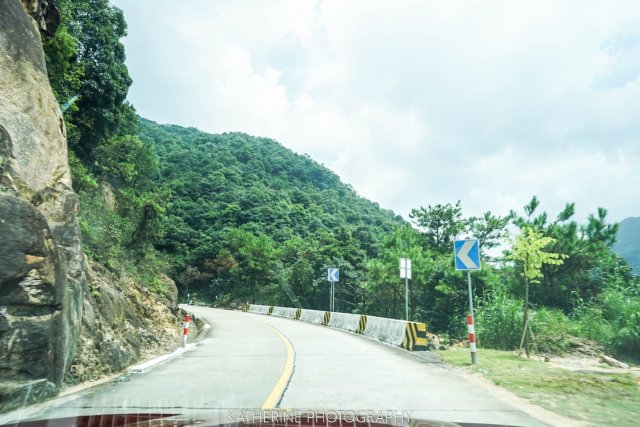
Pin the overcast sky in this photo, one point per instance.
(412, 103)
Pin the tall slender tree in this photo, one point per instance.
(528, 252)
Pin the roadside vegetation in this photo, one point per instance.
(610, 399)
(114, 173)
(234, 218)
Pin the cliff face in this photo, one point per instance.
(121, 324)
(61, 320)
(42, 278)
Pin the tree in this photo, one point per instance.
(86, 58)
(128, 160)
(440, 224)
(490, 230)
(527, 251)
(385, 288)
(583, 276)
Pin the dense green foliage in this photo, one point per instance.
(628, 243)
(437, 293)
(592, 294)
(86, 59)
(235, 218)
(251, 219)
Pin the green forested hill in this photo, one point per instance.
(628, 244)
(248, 211)
(232, 217)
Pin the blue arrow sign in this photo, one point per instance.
(467, 254)
(333, 274)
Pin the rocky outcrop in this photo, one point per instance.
(45, 13)
(61, 321)
(42, 277)
(107, 195)
(122, 324)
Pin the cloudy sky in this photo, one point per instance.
(412, 103)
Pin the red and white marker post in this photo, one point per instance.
(472, 339)
(185, 333)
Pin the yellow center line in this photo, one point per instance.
(278, 390)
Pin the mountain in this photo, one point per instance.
(628, 244)
(248, 218)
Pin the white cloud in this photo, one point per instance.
(414, 102)
(588, 177)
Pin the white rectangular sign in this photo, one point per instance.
(405, 268)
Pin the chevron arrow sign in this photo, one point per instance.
(467, 254)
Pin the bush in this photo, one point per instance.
(104, 233)
(551, 329)
(146, 271)
(499, 320)
(81, 177)
(612, 320)
(106, 238)
(588, 321)
(622, 308)
(499, 323)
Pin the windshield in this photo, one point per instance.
(319, 212)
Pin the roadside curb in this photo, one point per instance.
(73, 392)
(143, 367)
(150, 364)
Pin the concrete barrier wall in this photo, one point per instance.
(260, 309)
(347, 321)
(411, 336)
(415, 337)
(313, 316)
(288, 312)
(391, 331)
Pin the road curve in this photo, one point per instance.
(244, 362)
(340, 370)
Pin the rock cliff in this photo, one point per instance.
(43, 276)
(61, 321)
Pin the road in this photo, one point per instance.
(255, 361)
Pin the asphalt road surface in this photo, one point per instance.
(254, 361)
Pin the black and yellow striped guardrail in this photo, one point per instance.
(415, 337)
(325, 319)
(298, 313)
(270, 310)
(362, 325)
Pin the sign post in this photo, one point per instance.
(467, 256)
(333, 274)
(405, 273)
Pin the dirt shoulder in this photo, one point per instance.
(563, 392)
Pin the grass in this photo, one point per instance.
(600, 399)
